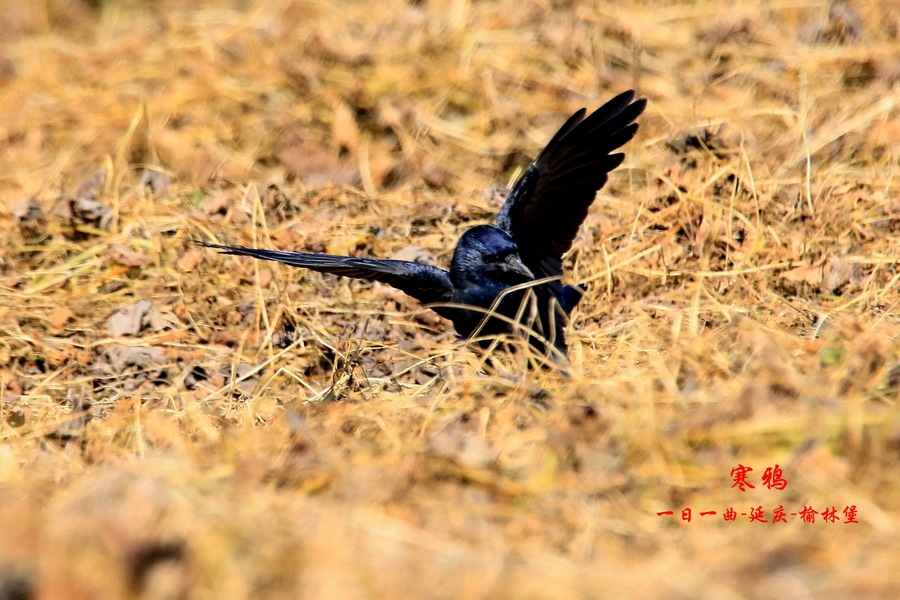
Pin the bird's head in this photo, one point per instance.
(487, 254)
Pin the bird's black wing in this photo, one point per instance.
(425, 283)
(548, 204)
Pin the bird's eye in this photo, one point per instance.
(495, 257)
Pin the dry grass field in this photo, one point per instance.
(179, 424)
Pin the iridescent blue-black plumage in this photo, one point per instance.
(536, 226)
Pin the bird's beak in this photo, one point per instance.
(513, 264)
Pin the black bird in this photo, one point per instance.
(536, 226)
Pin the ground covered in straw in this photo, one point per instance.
(175, 423)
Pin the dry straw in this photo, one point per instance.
(255, 431)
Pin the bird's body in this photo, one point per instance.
(493, 265)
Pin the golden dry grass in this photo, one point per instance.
(253, 431)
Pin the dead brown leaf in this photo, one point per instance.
(189, 260)
(60, 316)
(129, 320)
(125, 256)
(124, 357)
(415, 254)
(811, 274)
(317, 167)
(836, 273)
(132, 319)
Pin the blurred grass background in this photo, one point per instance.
(176, 424)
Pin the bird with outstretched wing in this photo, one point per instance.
(505, 278)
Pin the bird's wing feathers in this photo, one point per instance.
(548, 204)
(425, 283)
